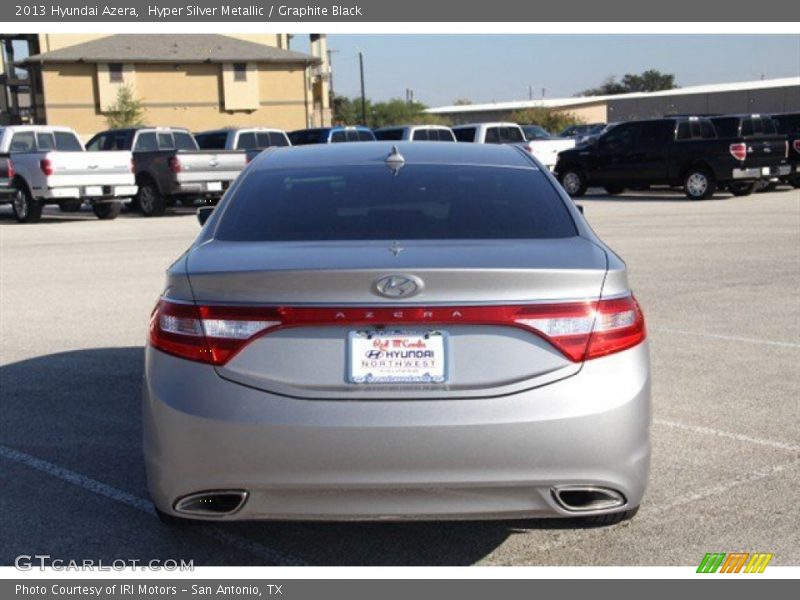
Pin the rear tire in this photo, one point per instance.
(105, 211)
(613, 190)
(70, 206)
(742, 188)
(794, 182)
(27, 209)
(699, 184)
(573, 181)
(151, 202)
(610, 519)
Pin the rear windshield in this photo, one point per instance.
(371, 203)
(465, 134)
(258, 140)
(389, 134)
(788, 123)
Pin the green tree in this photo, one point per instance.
(347, 111)
(651, 80)
(550, 119)
(127, 110)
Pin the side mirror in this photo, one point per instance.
(203, 213)
(579, 207)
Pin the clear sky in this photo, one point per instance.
(441, 68)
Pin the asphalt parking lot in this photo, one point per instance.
(719, 281)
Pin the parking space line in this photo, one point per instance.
(739, 437)
(654, 511)
(730, 338)
(102, 489)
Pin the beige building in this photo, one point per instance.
(198, 81)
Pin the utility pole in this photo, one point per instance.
(363, 93)
(530, 92)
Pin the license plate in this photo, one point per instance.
(93, 190)
(765, 170)
(214, 186)
(397, 357)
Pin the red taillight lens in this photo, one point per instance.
(133, 166)
(796, 145)
(11, 172)
(738, 151)
(175, 164)
(579, 330)
(46, 166)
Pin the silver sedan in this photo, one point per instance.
(409, 331)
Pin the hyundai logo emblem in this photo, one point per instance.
(398, 286)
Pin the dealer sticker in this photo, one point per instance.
(397, 357)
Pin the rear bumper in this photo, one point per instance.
(89, 192)
(759, 172)
(442, 459)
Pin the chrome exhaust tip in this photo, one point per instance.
(584, 498)
(213, 503)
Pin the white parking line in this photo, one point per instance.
(730, 338)
(726, 434)
(102, 489)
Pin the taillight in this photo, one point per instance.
(10, 169)
(796, 145)
(133, 166)
(579, 330)
(786, 153)
(46, 166)
(175, 164)
(738, 151)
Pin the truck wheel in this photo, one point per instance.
(105, 211)
(573, 181)
(70, 205)
(613, 190)
(151, 202)
(27, 209)
(699, 184)
(742, 188)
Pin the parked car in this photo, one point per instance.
(331, 135)
(788, 124)
(760, 134)
(677, 151)
(251, 138)
(583, 130)
(416, 133)
(51, 166)
(545, 150)
(397, 330)
(170, 167)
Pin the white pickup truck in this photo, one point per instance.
(51, 166)
(545, 150)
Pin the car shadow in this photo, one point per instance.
(81, 411)
(52, 215)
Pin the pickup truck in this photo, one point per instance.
(331, 135)
(49, 165)
(675, 151)
(544, 150)
(170, 167)
(789, 125)
(416, 133)
(760, 134)
(251, 138)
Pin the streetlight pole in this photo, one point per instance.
(363, 93)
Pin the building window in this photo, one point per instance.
(239, 72)
(115, 72)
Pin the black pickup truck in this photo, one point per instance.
(760, 134)
(789, 125)
(170, 166)
(675, 151)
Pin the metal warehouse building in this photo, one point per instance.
(763, 96)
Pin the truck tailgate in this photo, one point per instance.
(70, 169)
(198, 167)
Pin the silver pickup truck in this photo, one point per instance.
(170, 167)
(50, 166)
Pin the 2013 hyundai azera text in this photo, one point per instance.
(417, 331)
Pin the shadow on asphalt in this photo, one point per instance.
(52, 215)
(81, 410)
